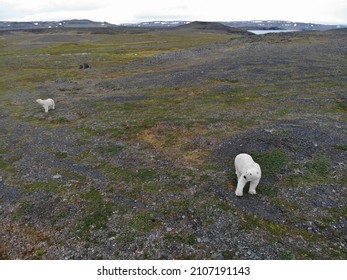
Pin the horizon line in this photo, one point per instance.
(179, 20)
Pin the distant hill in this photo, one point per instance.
(249, 25)
(220, 26)
(74, 23)
(211, 27)
(279, 25)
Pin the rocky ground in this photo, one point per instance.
(136, 162)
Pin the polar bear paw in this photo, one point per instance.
(252, 192)
(238, 193)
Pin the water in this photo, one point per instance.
(261, 32)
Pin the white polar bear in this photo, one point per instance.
(47, 104)
(247, 170)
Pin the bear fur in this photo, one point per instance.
(47, 104)
(247, 170)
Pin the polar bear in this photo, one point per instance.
(247, 170)
(47, 104)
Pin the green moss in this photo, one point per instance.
(343, 179)
(60, 214)
(268, 190)
(126, 132)
(117, 173)
(304, 254)
(223, 205)
(41, 185)
(342, 147)
(61, 155)
(180, 238)
(125, 240)
(286, 255)
(23, 207)
(59, 120)
(40, 253)
(319, 165)
(340, 106)
(151, 188)
(142, 221)
(274, 229)
(3, 164)
(229, 255)
(130, 175)
(111, 150)
(316, 170)
(96, 219)
(7, 165)
(145, 175)
(272, 161)
(97, 212)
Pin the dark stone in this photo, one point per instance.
(84, 66)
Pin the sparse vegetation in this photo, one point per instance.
(40, 253)
(272, 162)
(40, 185)
(96, 215)
(136, 161)
(314, 171)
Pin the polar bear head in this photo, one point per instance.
(40, 101)
(252, 174)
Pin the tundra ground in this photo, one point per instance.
(136, 161)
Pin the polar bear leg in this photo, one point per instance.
(46, 108)
(252, 187)
(240, 185)
(238, 174)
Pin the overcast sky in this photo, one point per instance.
(126, 11)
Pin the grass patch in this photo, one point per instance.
(40, 253)
(61, 155)
(319, 165)
(111, 150)
(6, 166)
(223, 205)
(272, 161)
(97, 213)
(59, 120)
(144, 175)
(130, 175)
(3, 164)
(340, 105)
(142, 190)
(316, 170)
(23, 207)
(126, 131)
(342, 147)
(268, 190)
(142, 221)
(182, 238)
(41, 185)
(286, 255)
